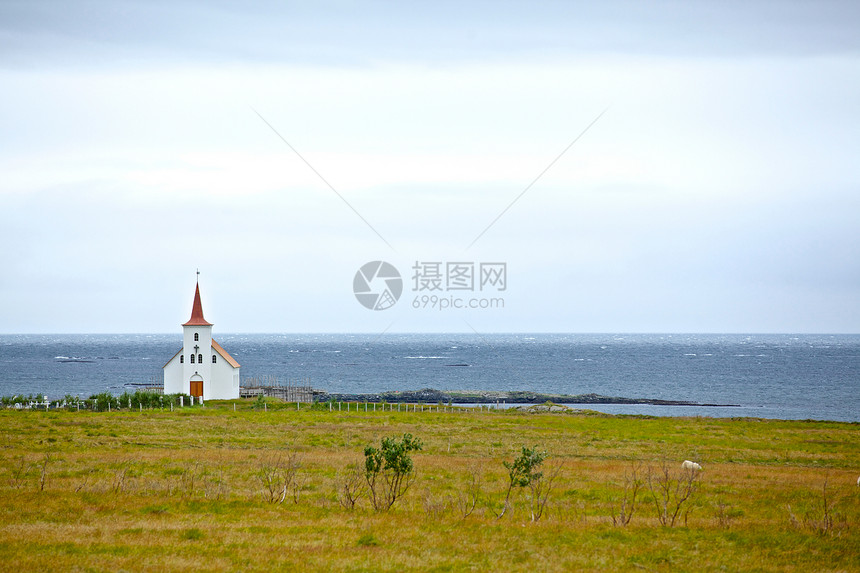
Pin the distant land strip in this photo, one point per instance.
(429, 395)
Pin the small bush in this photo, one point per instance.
(103, 402)
(671, 490)
(392, 463)
(522, 472)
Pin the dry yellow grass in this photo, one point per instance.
(179, 491)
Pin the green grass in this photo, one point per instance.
(177, 491)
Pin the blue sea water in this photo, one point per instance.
(768, 376)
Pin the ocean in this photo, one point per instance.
(767, 376)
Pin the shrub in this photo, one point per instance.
(351, 485)
(522, 472)
(392, 463)
(670, 491)
(278, 476)
(103, 402)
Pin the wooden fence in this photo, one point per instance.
(269, 387)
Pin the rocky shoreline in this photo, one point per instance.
(431, 396)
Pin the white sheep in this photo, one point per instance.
(858, 481)
(688, 465)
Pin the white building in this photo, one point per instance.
(201, 367)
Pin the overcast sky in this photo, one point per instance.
(279, 146)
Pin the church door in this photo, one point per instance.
(197, 388)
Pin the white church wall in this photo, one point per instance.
(173, 377)
(222, 386)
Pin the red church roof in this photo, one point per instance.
(224, 354)
(197, 311)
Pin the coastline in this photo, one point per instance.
(430, 395)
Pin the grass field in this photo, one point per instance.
(192, 489)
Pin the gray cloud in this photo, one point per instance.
(98, 33)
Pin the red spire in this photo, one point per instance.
(197, 311)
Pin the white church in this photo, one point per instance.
(202, 367)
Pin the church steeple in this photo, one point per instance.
(201, 368)
(197, 311)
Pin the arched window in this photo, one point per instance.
(213, 359)
(192, 359)
(182, 359)
(196, 337)
(200, 358)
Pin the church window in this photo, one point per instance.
(200, 358)
(182, 359)
(213, 359)
(192, 359)
(196, 336)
